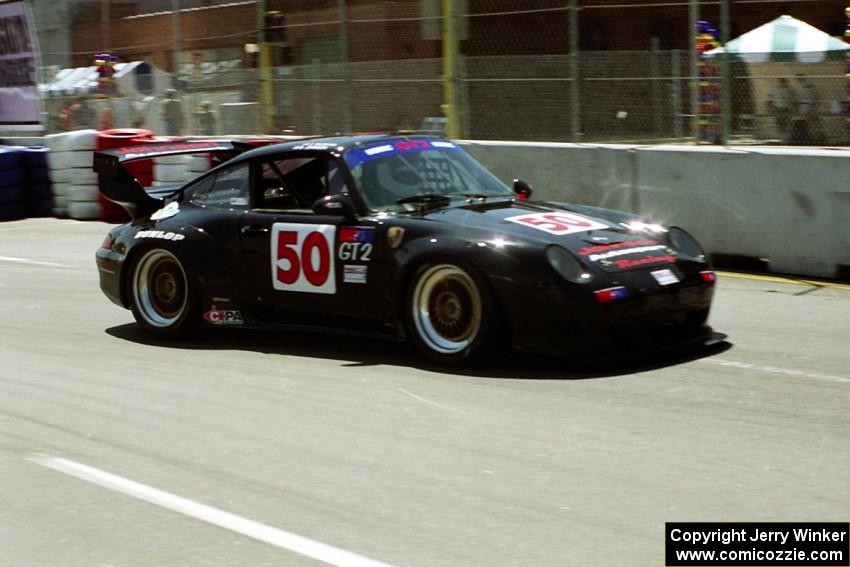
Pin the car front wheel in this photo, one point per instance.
(449, 312)
(163, 299)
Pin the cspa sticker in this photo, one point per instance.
(230, 317)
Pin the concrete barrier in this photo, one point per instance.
(790, 207)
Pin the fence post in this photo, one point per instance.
(725, 68)
(575, 74)
(693, 81)
(676, 92)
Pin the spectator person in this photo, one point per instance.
(783, 104)
(206, 118)
(82, 114)
(807, 108)
(172, 113)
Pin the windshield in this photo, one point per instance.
(401, 174)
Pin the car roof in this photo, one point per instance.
(331, 144)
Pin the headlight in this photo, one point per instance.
(684, 243)
(566, 265)
(640, 226)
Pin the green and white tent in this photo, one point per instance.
(785, 39)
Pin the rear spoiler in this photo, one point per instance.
(121, 187)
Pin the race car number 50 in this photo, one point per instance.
(301, 258)
(558, 223)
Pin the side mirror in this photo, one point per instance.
(337, 205)
(522, 189)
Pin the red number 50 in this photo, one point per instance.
(302, 259)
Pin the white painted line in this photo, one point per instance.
(32, 262)
(261, 532)
(429, 402)
(775, 370)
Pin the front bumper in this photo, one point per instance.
(555, 323)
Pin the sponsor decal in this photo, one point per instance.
(160, 234)
(355, 244)
(625, 251)
(359, 156)
(665, 276)
(133, 152)
(558, 223)
(301, 258)
(588, 250)
(395, 234)
(314, 146)
(229, 317)
(626, 264)
(167, 211)
(356, 234)
(354, 274)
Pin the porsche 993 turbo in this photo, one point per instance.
(403, 236)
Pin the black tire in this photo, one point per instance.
(162, 294)
(448, 312)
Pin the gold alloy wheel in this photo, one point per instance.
(160, 288)
(446, 308)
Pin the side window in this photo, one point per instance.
(296, 182)
(228, 189)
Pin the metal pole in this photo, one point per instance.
(346, 66)
(449, 54)
(693, 56)
(575, 74)
(264, 71)
(725, 71)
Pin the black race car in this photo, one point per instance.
(405, 236)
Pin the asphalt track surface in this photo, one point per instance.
(260, 449)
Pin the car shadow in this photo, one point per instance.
(363, 352)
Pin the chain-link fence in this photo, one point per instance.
(632, 71)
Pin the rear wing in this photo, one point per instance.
(120, 186)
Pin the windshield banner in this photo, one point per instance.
(378, 150)
(20, 107)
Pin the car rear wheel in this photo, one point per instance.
(449, 311)
(163, 299)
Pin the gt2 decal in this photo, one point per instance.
(301, 257)
(355, 244)
(223, 317)
(355, 252)
(558, 223)
(160, 234)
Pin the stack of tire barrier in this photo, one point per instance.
(75, 191)
(37, 200)
(24, 182)
(11, 183)
(198, 164)
(142, 170)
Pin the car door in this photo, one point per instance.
(307, 262)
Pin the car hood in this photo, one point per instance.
(598, 236)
